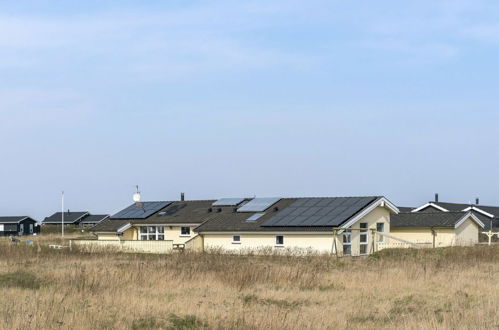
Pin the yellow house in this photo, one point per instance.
(327, 225)
(154, 221)
(437, 229)
(333, 225)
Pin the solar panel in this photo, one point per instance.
(228, 201)
(255, 217)
(140, 210)
(311, 212)
(258, 204)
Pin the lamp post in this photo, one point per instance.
(62, 213)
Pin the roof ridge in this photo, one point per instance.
(370, 196)
(472, 204)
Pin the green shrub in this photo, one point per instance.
(21, 280)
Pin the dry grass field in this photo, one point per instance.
(453, 288)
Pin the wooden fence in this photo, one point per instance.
(124, 245)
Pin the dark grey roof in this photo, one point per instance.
(459, 207)
(258, 204)
(109, 225)
(14, 219)
(405, 209)
(453, 207)
(319, 212)
(140, 210)
(94, 218)
(229, 201)
(287, 208)
(226, 220)
(181, 212)
(426, 220)
(69, 217)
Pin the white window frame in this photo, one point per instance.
(153, 233)
(279, 244)
(381, 238)
(348, 243)
(21, 228)
(185, 235)
(1, 227)
(364, 232)
(236, 241)
(31, 228)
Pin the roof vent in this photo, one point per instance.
(276, 209)
(436, 198)
(477, 201)
(182, 197)
(219, 210)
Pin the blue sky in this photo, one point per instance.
(242, 98)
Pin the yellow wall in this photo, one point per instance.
(379, 214)
(195, 244)
(316, 242)
(321, 243)
(108, 237)
(466, 234)
(132, 234)
(445, 237)
(174, 234)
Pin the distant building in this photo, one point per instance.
(438, 229)
(21, 225)
(82, 218)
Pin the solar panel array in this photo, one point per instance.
(255, 217)
(228, 201)
(140, 210)
(319, 212)
(258, 204)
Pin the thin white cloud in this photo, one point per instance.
(28, 108)
(168, 44)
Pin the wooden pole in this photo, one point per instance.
(373, 234)
(335, 248)
(434, 234)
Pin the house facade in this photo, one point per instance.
(333, 225)
(18, 225)
(155, 221)
(342, 226)
(439, 229)
(339, 225)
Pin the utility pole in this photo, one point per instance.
(62, 213)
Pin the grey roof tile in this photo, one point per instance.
(69, 218)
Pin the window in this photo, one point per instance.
(152, 233)
(380, 228)
(279, 240)
(347, 242)
(31, 228)
(236, 239)
(363, 241)
(185, 231)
